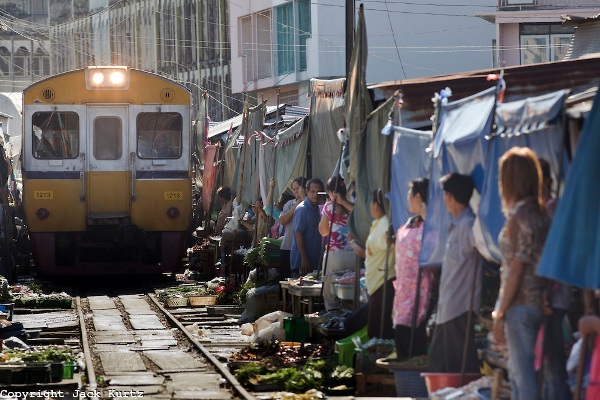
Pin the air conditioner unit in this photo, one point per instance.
(519, 2)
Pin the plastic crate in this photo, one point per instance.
(346, 349)
(409, 383)
(38, 373)
(6, 375)
(343, 292)
(296, 329)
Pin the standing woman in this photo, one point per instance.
(377, 248)
(286, 219)
(408, 246)
(339, 256)
(519, 310)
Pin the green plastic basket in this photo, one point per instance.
(346, 349)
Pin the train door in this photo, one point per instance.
(108, 178)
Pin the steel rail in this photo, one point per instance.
(222, 369)
(89, 365)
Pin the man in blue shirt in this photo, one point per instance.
(306, 247)
(460, 283)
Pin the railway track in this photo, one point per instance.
(134, 347)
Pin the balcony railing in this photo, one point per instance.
(546, 4)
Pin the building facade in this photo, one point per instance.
(531, 31)
(277, 46)
(274, 46)
(184, 40)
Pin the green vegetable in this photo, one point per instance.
(247, 372)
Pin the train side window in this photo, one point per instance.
(159, 134)
(55, 135)
(107, 138)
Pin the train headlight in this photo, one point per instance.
(42, 213)
(107, 78)
(173, 212)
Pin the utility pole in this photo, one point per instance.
(349, 32)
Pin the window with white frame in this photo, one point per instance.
(256, 45)
(284, 29)
(544, 42)
(293, 29)
(264, 45)
(246, 47)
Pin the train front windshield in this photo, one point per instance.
(55, 135)
(159, 134)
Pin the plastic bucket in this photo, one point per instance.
(296, 329)
(69, 370)
(439, 380)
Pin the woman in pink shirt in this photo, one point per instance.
(408, 247)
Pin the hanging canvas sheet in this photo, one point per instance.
(233, 151)
(572, 250)
(326, 118)
(266, 164)
(459, 146)
(372, 167)
(357, 101)
(537, 123)
(209, 175)
(290, 161)
(241, 158)
(410, 161)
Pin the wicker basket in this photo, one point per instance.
(177, 302)
(202, 300)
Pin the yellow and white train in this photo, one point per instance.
(106, 159)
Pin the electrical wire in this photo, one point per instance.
(134, 10)
(395, 43)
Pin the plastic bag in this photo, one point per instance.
(248, 329)
(260, 301)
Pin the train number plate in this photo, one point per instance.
(43, 194)
(173, 195)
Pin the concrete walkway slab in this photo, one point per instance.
(122, 361)
(115, 348)
(113, 337)
(134, 302)
(200, 395)
(145, 322)
(154, 334)
(148, 347)
(57, 319)
(118, 392)
(101, 303)
(173, 360)
(136, 380)
(109, 312)
(108, 323)
(160, 342)
(185, 381)
(140, 311)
